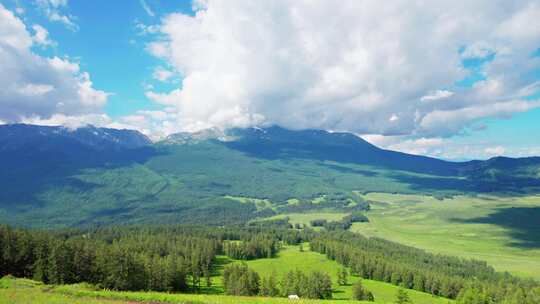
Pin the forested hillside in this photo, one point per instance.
(54, 177)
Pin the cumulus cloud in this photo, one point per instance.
(52, 9)
(36, 86)
(450, 122)
(360, 66)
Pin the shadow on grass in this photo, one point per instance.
(523, 223)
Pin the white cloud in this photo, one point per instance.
(31, 89)
(147, 8)
(53, 11)
(36, 86)
(454, 148)
(144, 29)
(480, 49)
(70, 121)
(450, 122)
(41, 36)
(436, 95)
(351, 66)
(133, 122)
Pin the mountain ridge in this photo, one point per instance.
(105, 176)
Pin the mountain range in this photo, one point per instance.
(59, 177)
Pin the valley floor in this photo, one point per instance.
(503, 231)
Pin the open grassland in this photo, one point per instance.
(504, 231)
(291, 258)
(306, 218)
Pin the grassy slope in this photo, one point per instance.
(22, 291)
(290, 258)
(502, 231)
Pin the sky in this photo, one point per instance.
(450, 79)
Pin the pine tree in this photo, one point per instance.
(358, 291)
(342, 276)
(273, 290)
(60, 265)
(265, 287)
(288, 283)
(418, 283)
(402, 297)
(361, 294)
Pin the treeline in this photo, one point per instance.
(238, 279)
(336, 201)
(478, 293)
(259, 246)
(343, 224)
(167, 258)
(144, 260)
(412, 268)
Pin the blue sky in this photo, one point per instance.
(470, 92)
(108, 45)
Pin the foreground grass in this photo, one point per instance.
(22, 291)
(504, 231)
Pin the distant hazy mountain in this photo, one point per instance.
(20, 136)
(53, 176)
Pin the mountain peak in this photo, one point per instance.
(196, 137)
(13, 136)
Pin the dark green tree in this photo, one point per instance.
(360, 293)
(402, 297)
(342, 276)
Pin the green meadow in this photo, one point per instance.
(306, 218)
(504, 231)
(291, 258)
(24, 291)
